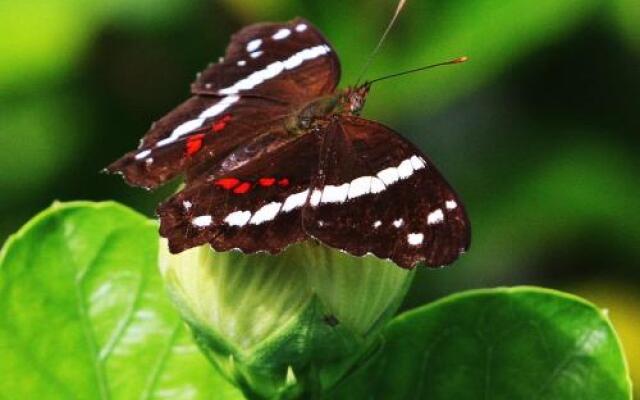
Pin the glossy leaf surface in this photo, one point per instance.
(521, 343)
(85, 316)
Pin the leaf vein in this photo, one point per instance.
(157, 368)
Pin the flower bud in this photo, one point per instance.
(288, 325)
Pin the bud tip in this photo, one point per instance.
(290, 380)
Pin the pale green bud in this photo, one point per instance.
(288, 325)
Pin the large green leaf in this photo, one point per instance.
(522, 343)
(84, 314)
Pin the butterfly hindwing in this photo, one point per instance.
(256, 207)
(377, 193)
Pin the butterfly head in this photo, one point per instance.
(355, 97)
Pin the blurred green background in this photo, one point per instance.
(539, 132)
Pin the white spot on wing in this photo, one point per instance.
(254, 45)
(187, 205)
(241, 63)
(360, 187)
(265, 213)
(405, 169)
(377, 224)
(315, 197)
(435, 217)
(334, 194)
(256, 54)
(415, 239)
(281, 34)
(142, 154)
(295, 201)
(376, 185)
(389, 176)
(301, 27)
(202, 221)
(416, 163)
(398, 223)
(451, 204)
(238, 218)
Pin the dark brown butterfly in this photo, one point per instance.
(273, 154)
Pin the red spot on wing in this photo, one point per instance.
(194, 144)
(227, 183)
(266, 182)
(221, 123)
(243, 188)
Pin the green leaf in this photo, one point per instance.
(85, 316)
(521, 343)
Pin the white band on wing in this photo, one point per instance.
(231, 93)
(364, 185)
(276, 68)
(329, 194)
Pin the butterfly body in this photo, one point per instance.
(273, 154)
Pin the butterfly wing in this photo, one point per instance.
(377, 193)
(286, 61)
(202, 129)
(255, 207)
(268, 72)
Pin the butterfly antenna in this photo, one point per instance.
(373, 54)
(450, 62)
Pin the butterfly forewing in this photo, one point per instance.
(377, 193)
(256, 207)
(288, 62)
(270, 70)
(198, 131)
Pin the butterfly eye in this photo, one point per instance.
(357, 102)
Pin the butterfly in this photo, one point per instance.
(273, 154)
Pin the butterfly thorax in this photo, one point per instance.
(311, 114)
(349, 101)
